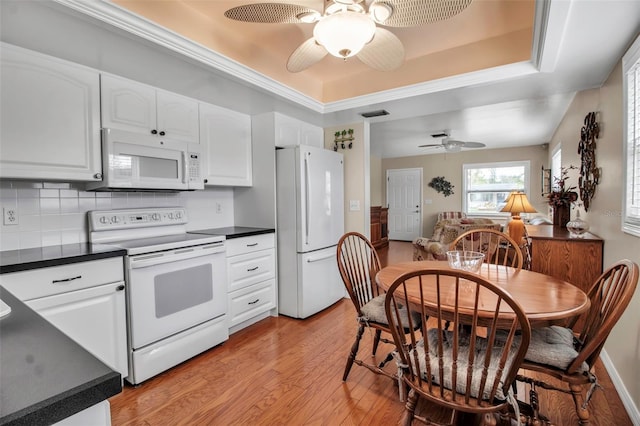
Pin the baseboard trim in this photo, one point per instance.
(627, 401)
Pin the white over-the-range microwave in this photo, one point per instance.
(138, 162)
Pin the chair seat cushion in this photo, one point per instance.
(463, 362)
(553, 346)
(374, 311)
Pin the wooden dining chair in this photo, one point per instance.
(358, 264)
(498, 247)
(570, 353)
(465, 369)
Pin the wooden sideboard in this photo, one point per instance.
(576, 260)
(379, 221)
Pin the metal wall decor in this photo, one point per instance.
(589, 172)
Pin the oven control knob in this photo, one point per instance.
(104, 219)
(178, 215)
(115, 219)
(155, 216)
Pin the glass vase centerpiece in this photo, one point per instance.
(577, 227)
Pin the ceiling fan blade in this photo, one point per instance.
(270, 13)
(432, 145)
(411, 13)
(384, 52)
(474, 145)
(307, 54)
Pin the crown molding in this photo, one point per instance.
(463, 80)
(118, 17)
(114, 15)
(548, 31)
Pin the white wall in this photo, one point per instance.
(605, 213)
(56, 213)
(450, 166)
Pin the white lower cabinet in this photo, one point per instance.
(251, 275)
(85, 300)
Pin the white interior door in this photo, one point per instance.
(404, 192)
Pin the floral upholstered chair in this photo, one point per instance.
(447, 229)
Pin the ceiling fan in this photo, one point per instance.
(453, 145)
(348, 28)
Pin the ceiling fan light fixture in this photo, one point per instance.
(380, 12)
(309, 17)
(453, 146)
(344, 33)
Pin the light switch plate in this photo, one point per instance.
(354, 205)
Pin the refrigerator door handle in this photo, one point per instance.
(317, 259)
(306, 198)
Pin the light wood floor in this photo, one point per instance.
(283, 371)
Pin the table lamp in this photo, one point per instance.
(517, 203)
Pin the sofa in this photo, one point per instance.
(448, 226)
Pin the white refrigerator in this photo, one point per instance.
(310, 221)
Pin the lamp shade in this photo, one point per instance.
(344, 33)
(517, 203)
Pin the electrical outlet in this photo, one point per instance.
(218, 208)
(10, 216)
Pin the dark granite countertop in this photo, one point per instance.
(45, 375)
(234, 231)
(41, 257)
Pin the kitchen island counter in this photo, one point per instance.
(46, 376)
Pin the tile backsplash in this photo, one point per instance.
(51, 213)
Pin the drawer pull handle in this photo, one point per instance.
(252, 245)
(120, 287)
(254, 302)
(66, 280)
(252, 269)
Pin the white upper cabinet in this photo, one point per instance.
(225, 136)
(49, 117)
(136, 107)
(293, 132)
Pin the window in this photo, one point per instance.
(631, 96)
(487, 186)
(556, 163)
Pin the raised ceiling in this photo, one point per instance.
(503, 72)
(487, 34)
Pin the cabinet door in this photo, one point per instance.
(127, 105)
(94, 318)
(312, 135)
(226, 139)
(294, 132)
(287, 131)
(177, 116)
(49, 118)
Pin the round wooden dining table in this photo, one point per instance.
(545, 300)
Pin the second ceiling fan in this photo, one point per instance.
(347, 28)
(453, 145)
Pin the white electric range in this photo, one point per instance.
(176, 285)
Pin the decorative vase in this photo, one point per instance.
(577, 227)
(561, 215)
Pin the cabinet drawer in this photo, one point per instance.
(246, 269)
(250, 244)
(251, 301)
(27, 285)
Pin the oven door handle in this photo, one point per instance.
(152, 259)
